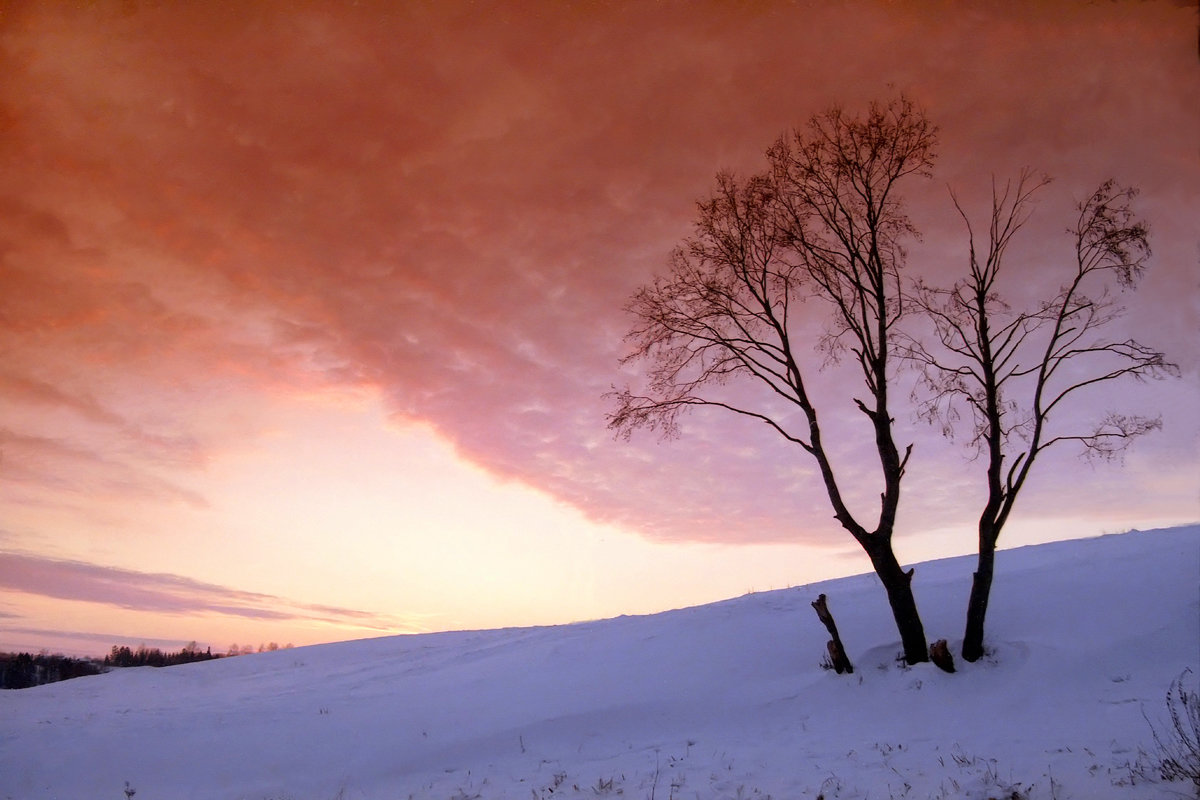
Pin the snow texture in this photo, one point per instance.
(720, 701)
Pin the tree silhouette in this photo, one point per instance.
(1019, 373)
(825, 220)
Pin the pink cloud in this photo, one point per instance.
(162, 593)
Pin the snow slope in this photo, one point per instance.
(718, 701)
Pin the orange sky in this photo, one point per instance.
(307, 310)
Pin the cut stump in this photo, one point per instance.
(940, 655)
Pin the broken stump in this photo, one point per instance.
(837, 653)
(940, 655)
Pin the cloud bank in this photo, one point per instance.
(449, 206)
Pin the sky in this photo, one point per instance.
(308, 311)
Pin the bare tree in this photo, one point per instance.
(825, 220)
(1018, 371)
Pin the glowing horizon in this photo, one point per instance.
(307, 315)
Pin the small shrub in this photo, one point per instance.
(1177, 756)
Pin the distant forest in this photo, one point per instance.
(153, 657)
(24, 670)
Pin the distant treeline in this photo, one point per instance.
(248, 649)
(153, 657)
(23, 670)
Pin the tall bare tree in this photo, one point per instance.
(824, 220)
(1019, 371)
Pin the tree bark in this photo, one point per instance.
(898, 585)
(977, 605)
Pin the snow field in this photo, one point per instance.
(719, 701)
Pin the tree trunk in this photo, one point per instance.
(981, 589)
(898, 585)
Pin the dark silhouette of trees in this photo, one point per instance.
(825, 220)
(1020, 373)
(124, 656)
(24, 670)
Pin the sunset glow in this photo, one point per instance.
(307, 313)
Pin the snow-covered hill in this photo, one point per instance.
(719, 701)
